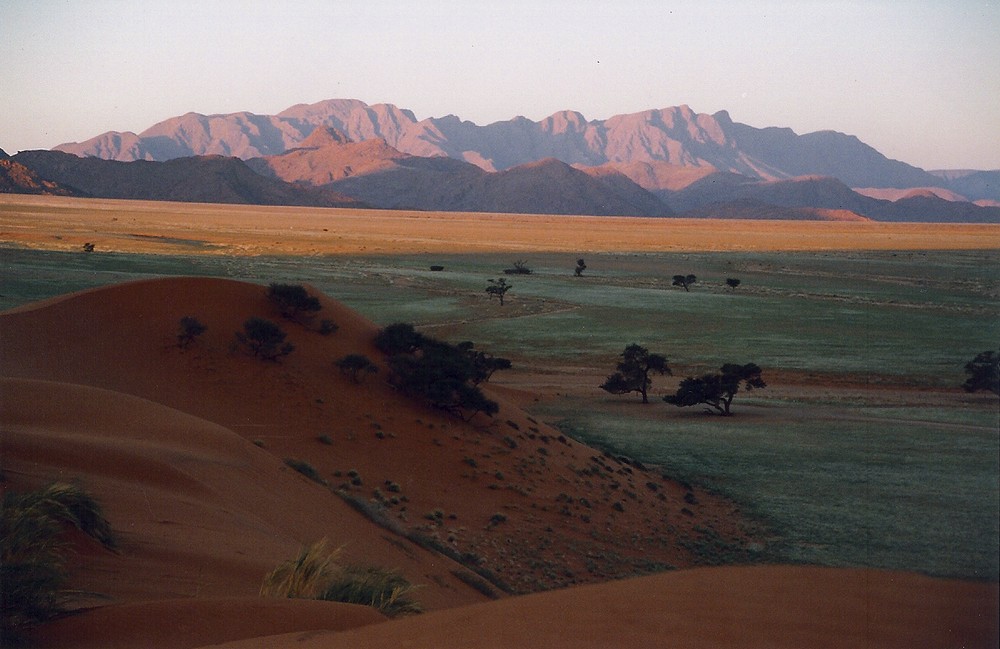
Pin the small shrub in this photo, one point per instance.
(327, 327)
(325, 439)
(385, 590)
(189, 329)
(520, 268)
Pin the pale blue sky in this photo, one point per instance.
(917, 79)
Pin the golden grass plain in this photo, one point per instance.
(60, 223)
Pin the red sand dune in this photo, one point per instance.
(193, 622)
(766, 607)
(93, 387)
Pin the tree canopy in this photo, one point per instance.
(717, 390)
(633, 370)
(264, 339)
(684, 281)
(983, 373)
(293, 300)
(446, 376)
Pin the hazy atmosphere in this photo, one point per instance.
(914, 79)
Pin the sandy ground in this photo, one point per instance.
(144, 226)
(185, 448)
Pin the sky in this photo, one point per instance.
(919, 80)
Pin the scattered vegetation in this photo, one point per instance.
(189, 329)
(88, 247)
(33, 552)
(316, 574)
(520, 268)
(684, 281)
(264, 339)
(633, 371)
(294, 302)
(983, 373)
(717, 390)
(498, 288)
(356, 366)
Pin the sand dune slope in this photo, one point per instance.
(201, 512)
(186, 623)
(766, 607)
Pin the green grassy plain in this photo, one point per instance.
(862, 451)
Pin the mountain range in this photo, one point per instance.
(661, 162)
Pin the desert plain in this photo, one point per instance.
(851, 503)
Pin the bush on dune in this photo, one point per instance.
(315, 574)
(33, 552)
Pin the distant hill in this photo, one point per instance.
(819, 192)
(208, 179)
(376, 173)
(15, 178)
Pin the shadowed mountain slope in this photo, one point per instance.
(205, 179)
(376, 173)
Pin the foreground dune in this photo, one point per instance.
(766, 607)
(193, 622)
(186, 449)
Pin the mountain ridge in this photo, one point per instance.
(676, 135)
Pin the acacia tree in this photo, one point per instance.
(717, 390)
(984, 373)
(446, 376)
(684, 281)
(580, 267)
(293, 300)
(264, 339)
(498, 288)
(633, 370)
(732, 282)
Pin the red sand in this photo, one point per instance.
(766, 607)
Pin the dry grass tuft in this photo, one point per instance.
(315, 574)
(305, 576)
